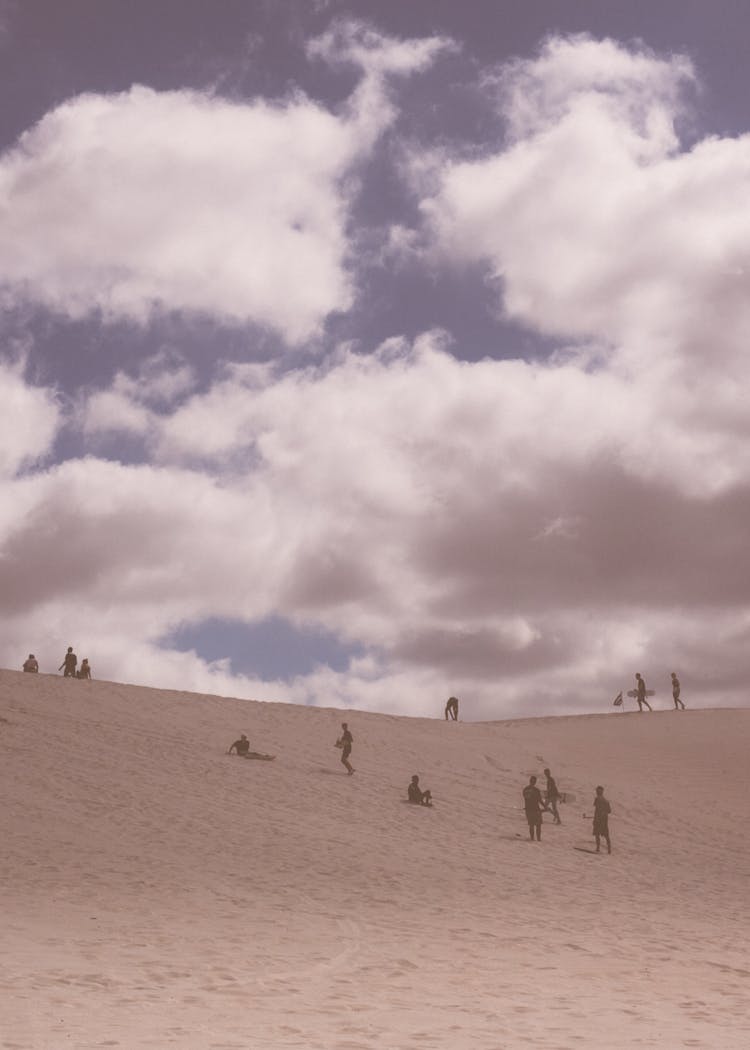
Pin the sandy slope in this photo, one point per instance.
(157, 893)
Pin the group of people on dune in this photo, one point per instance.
(69, 666)
(534, 802)
(641, 692)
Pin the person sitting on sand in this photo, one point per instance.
(242, 747)
(345, 742)
(678, 704)
(451, 708)
(532, 802)
(602, 810)
(84, 671)
(416, 795)
(31, 664)
(68, 666)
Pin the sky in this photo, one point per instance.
(362, 354)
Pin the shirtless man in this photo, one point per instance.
(345, 742)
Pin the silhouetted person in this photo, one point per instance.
(68, 666)
(678, 704)
(602, 810)
(532, 801)
(640, 693)
(416, 795)
(31, 664)
(345, 742)
(451, 708)
(241, 746)
(84, 671)
(551, 796)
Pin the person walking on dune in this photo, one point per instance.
(345, 742)
(551, 796)
(678, 704)
(451, 708)
(640, 693)
(602, 810)
(68, 666)
(532, 803)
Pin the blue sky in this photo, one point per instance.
(363, 354)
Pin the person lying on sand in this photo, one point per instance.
(242, 747)
(416, 795)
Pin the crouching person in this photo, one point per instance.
(416, 795)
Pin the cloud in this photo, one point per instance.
(28, 422)
(150, 201)
(591, 219)
(522, 534)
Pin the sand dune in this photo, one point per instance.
(158, 893)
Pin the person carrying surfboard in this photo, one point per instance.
(640, 693)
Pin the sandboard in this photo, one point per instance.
(585, 849)
(634, 693)
(417, 805)
(257, 755)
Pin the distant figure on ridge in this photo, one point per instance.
(551, 796)
(602, 810)
(31, 664)
(451, 708)
(84, 671)
(68, 666)
(640, 693)
(416, 795)
(678, 704)
(345, 742)
(532, 801)
(242, 747)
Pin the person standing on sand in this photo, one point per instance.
(602, 810)
(68, 666)
(640, 693)
(532, 802)
(678, 704)
(451, 708)
(345, 742)
(551, 796)
(31, 665)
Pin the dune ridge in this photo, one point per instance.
(159, 893)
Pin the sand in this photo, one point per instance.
(157, 892)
